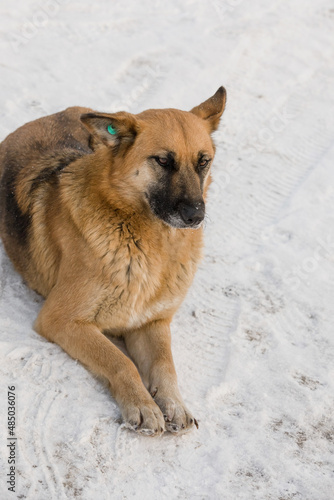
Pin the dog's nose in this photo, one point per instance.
(193, 214)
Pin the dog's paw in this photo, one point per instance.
(178, 418)
(146, 419)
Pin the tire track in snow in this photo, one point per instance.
(38, 414)
(297, 106)
(209, 324)
(137, 79)
(272, 189)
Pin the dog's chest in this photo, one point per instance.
(144, 282)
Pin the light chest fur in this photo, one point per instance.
(143, 275)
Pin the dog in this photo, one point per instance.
(102, 215)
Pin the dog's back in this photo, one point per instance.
(32, 157)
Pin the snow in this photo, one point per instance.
(253, 342)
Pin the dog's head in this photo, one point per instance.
(161, 158)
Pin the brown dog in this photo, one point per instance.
(101, 214)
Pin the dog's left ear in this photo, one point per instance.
(212, 109)
(117, 130)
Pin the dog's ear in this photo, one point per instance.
(117, 130)
(212, 109)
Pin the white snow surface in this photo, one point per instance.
(253, 342)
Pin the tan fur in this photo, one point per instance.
(91, 245)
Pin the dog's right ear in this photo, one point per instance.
(117, 130)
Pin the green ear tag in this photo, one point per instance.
(111, 130)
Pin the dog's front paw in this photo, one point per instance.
(145, 418)
(178, 418)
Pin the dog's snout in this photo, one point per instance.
(192, 214)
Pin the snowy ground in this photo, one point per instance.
(253, 342)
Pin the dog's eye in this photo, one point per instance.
(163, 162)
(167, 162)
(203, 163)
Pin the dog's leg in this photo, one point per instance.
(84, 341)
(150, 348)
